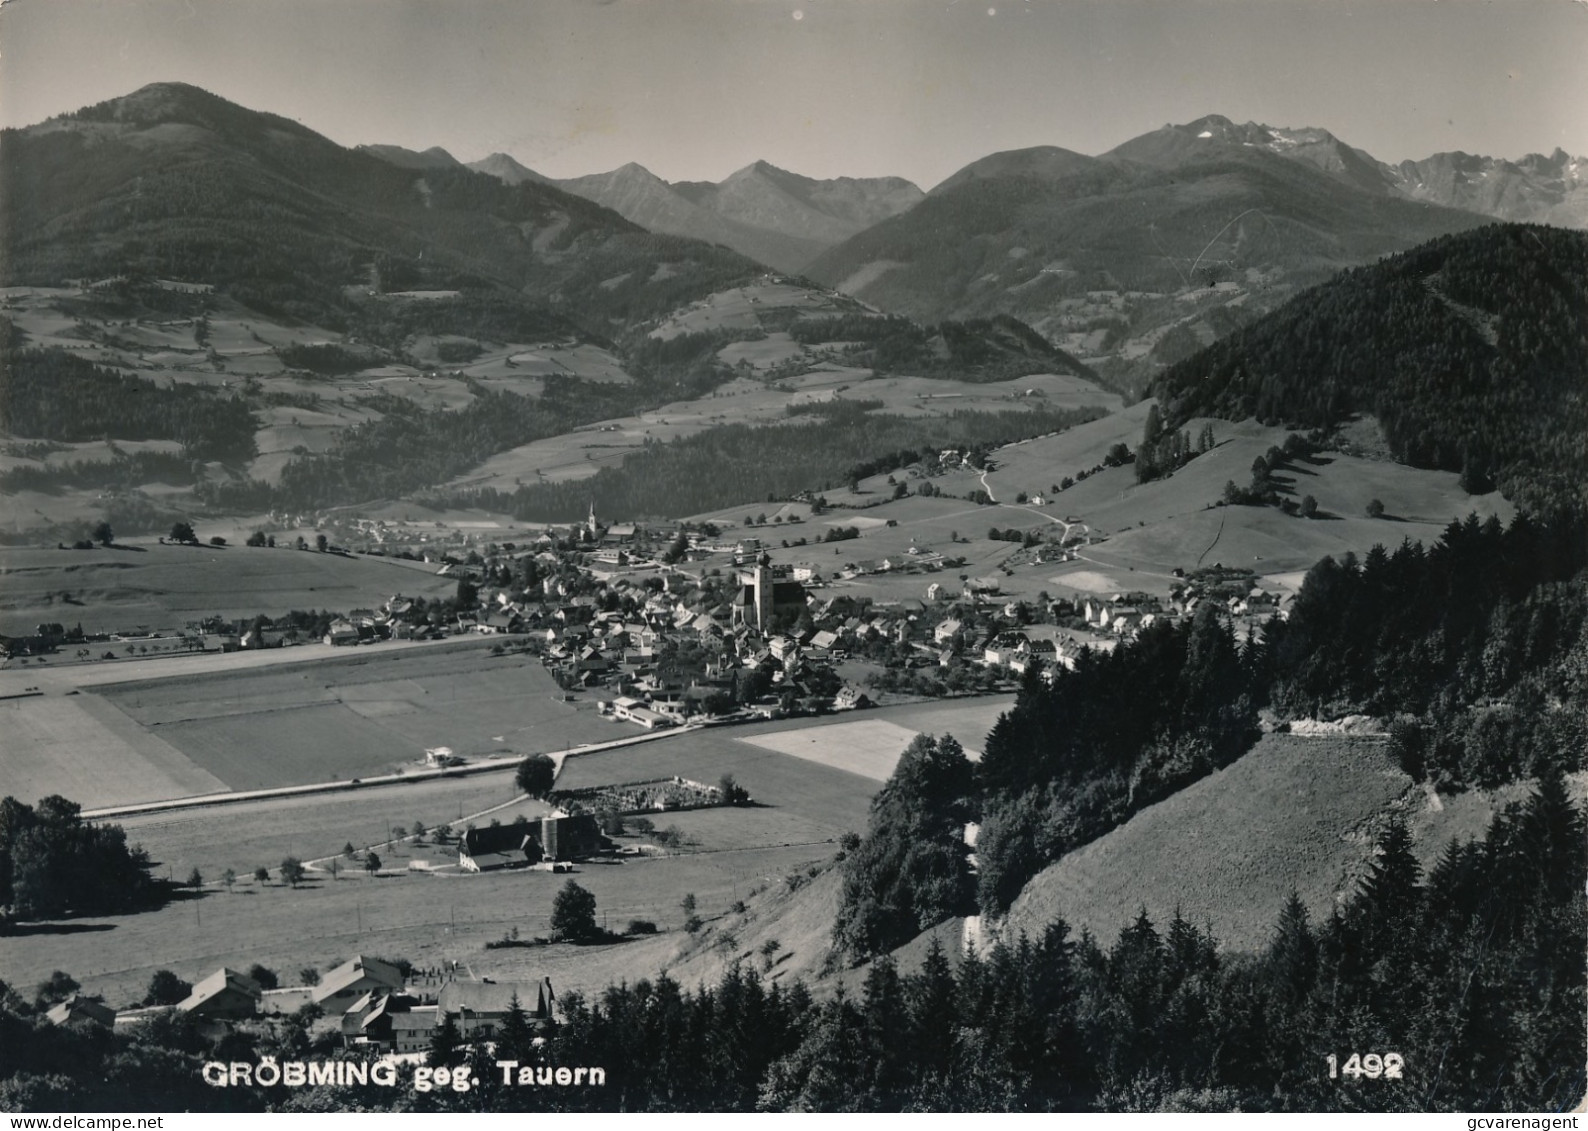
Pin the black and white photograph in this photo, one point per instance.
(793, 556)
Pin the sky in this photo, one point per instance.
(694, 89)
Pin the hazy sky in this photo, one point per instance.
(694, 89)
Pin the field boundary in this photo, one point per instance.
(488, 765)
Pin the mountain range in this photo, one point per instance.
(173, 182)
(769, 214)
(788, 221)
(1129, 260)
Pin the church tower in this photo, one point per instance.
(763, 593)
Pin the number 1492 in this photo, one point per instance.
(1371, 1065)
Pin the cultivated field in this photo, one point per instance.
(870, 748)
(164, 587)
(81, 747)
(360, 715)
(244, 835)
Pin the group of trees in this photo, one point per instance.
(911, 870)
(52, 862)
(1476, 646)
(1162, 452)
(996, 349)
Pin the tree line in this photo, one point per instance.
(52, 862)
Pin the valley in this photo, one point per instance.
(1084, 594)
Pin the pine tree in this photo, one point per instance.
(445, 1044)
(515, 1039)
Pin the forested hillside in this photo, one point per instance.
(49, 395)
(1472, 351)
(741, 463)
(1476, 648)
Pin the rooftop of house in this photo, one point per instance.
(535, 998)
(355, 970)
(217, 983)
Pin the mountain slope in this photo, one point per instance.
(1472, 350)
(1156, 217)
(433, 158)
(1536, 188)
(1048, 162)
(173, 182)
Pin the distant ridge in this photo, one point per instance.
(769, 214)
(433, 158)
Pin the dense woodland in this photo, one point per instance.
(50, 395)
(1472, 352)
(726, 465)
(985, 349)
(1449, 991)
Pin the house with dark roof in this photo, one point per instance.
(498, 846)
(77, 1011)
(556, 837)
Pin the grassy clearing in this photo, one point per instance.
(1294, 813)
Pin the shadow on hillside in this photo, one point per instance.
(25, 929)
(127, 549)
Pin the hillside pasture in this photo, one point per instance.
(1293, 813)
(768, 353)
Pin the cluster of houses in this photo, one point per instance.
(376, 1005)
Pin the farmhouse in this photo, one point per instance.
(78, 1011)
(552, 838)
(345, 984)
(224, 995)
(396, 1022)
(479, 1008)
(498, 846)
